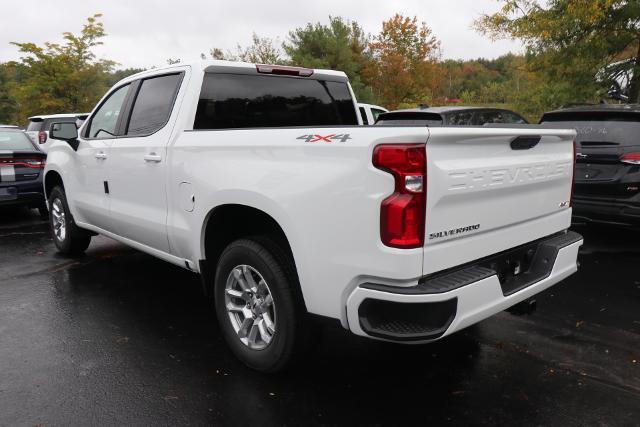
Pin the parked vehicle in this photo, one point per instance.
(9, 126)
(369, 113)
(21, 167)
(258, 178)
(607, 182)
(450, 116)
(38, 128)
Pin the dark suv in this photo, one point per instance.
(449, 116)
(607, 180)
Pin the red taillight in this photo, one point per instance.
(402, 214)
(26, 162)
(283, 70)
(42, 137)
(631, 158)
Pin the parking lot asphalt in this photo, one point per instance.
(119, 337)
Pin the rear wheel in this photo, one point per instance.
(67, 236)
(259, 313)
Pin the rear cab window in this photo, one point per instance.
(232, 101)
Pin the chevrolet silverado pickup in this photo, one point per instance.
(261, 179)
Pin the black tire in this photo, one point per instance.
(74, 241)
(291, 336)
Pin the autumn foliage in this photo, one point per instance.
(404, 62)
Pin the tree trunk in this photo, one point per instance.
(634, 85)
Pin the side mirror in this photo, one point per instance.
(65, 131)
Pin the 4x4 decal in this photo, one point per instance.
(342, 137)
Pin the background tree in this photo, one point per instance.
(573, 42)
(7, 103)
(405, 66)
(66, 77)
(262, 50)
(340, 45)
(115, 76)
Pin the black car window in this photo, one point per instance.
(153, 104)
(510, 117)
(249, 101)
(104, 121)
(496, 116)
(461, 118)
(15, 141)
(363, 114)
(409, 118)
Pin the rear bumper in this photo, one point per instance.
(606, 211)
(31, 199)
(23, 193)
(459, 298)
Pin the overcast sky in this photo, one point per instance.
(144, 33)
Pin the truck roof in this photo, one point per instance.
(55, 116)
(214, 65)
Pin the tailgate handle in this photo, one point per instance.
(525, 142)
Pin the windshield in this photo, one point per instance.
(14, 141)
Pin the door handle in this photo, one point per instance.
(101, 155)
(152, 157)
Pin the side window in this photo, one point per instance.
(363, 114)
(461, 119)
(104, 121)
(513, 118)
(376, 113)
(153, 104)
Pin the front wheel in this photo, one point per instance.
(259, 313)
(67, 236)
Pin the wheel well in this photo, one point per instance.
(51, 180)
(231, 222)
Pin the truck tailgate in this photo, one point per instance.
(484, 184)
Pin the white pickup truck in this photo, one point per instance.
(261, 179)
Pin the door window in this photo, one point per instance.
(153, 104)
(105, 120)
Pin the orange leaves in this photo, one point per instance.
(404, 65)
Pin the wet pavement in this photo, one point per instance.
(118, 337)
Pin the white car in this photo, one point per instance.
(369, 113)
(38, 127)
(258, 178)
